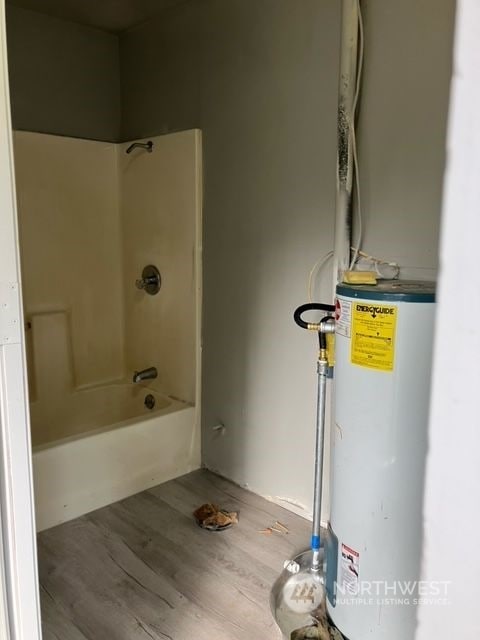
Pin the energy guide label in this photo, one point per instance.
(373, 335)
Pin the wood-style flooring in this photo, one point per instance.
(141, 569)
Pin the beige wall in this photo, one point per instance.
(160, 205)
(260, 79)
(64, 77)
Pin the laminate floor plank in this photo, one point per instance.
(101, 603)
(118, 597)
(56, 624)
(188, 492)
(208, 572)
(141, 569)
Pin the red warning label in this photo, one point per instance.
(349, 570)
(343, 317)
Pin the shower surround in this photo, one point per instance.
(91, 217)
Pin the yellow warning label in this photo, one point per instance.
(373, 335)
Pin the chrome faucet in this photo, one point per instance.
(145, 374)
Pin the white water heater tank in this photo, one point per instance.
(383, 352)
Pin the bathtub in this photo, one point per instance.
(116, 446)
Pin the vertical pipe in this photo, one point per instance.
(322, 368)
(346, 96)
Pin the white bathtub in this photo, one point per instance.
(116, 447)
(79, 412)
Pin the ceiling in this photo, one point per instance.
(109, 15)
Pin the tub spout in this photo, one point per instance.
(145, 374)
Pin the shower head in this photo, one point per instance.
(142, 145)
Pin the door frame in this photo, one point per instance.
(19, 589)
(452, 484)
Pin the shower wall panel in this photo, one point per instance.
(160, 205)
(90, 218)
(68, 203)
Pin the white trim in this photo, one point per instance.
(4, 621)
(196, 454)
(10, 325)
(17, 512)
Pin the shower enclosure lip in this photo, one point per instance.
(148, 146)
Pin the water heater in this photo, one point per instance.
(383, 352)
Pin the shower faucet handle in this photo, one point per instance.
(141, 283)
(151, 280)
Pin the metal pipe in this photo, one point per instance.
(322, 370)
(346, 97)
(326, 325)
(148, 146)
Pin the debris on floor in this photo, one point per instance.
(322, 629)
(278, 527)
(212, 518)
(310, 633)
